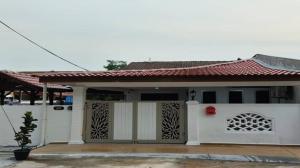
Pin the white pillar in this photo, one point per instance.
(79, 98)
(193, 117)
(44, 116)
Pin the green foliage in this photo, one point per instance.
(115, 65)
(23, 136)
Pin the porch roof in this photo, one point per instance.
(241, 70)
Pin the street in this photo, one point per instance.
(101, 162)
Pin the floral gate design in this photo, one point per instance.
(172, 122)
(98, 125)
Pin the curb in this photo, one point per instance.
(6, 153)
(215, 157)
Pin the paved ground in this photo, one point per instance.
(72, 156)
(251, 150)
(141, 163)
(6, 160)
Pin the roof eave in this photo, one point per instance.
(213, 78)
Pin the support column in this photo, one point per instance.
(20, 96)
(193, 118)
(61, 102)
(44, 116)
(32, 97)
(79, 97)
(51, 97)
(2, 97)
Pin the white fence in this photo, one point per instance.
(58, 124)
(251, 124)
(233, 123)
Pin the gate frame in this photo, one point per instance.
(159, 140)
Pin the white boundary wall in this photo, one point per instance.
(285, 124)
(15, 113)
(58, 125)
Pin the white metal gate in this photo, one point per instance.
(135, 122)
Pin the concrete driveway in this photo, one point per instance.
(140, 163)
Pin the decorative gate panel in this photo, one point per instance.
(98, 121)
(171, 122)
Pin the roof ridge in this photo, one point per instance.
(176, 61)
(181, 68)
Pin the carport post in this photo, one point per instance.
(79, 97)
(44, 116)
(2, 97)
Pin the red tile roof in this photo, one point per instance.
(240, 68)
(29, 80)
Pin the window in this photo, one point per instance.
(159, 96)
(209, 97)
(262, 96)
(235, 97)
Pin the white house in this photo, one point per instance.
(253, 101)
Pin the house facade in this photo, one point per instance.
(236, 102)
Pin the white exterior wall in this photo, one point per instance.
(15, 114)
(285, 121)
(58, 125)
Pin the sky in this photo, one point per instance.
(90, 32)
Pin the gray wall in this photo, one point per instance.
(223, 93)
(135, 95)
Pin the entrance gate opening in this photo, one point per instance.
(135, 122)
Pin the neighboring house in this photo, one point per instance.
(278, 62)
(240, 102)
(16, 86)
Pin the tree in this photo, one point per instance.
(115, 65)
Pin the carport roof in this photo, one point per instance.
(241, 70)
(10, 80)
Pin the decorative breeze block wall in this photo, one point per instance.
(249, 122)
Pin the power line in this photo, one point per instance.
(43, 48)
